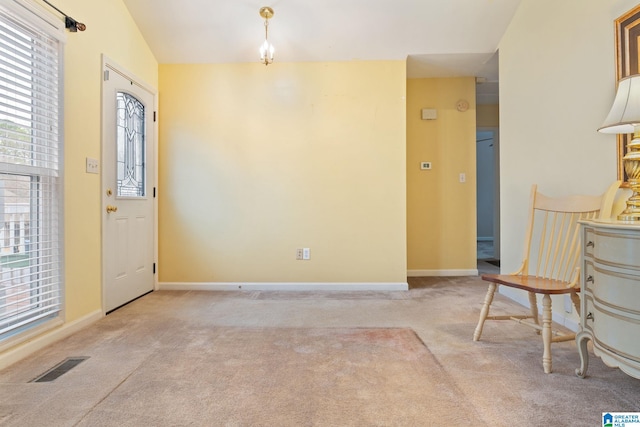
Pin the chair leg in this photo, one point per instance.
(546, 333)
(533, 303)
(575, 298)
(485, 310)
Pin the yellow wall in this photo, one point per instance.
(257, 161)
(441, 211)
(110, 30)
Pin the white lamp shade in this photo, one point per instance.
(625, 111)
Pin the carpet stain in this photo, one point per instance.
(297, 377)
(403, 340)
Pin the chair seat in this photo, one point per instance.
(535, 284)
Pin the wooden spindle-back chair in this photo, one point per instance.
(551, 263)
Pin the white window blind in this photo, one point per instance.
(30, 179)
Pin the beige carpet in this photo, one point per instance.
(274, 376)
(312, 359)
(232, 376)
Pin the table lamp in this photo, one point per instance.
(624, 118)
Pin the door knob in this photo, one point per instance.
(112, 209)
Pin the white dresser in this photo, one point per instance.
(610, 296)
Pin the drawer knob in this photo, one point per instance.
(590, 244)
(589, 279)
(590, 316)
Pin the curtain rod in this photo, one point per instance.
(69, 23)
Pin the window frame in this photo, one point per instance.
(43, 21)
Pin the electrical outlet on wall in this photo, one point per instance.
(299, 254)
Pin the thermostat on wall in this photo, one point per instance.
(429, 114)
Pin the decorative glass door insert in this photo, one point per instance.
(130, 145)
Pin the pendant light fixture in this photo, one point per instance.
(266, 49)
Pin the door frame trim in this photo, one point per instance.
(115, 67)
(496, 202)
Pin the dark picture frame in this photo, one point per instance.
(627, 39)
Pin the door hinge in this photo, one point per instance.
(154, 192)
(154, 268)
(106, 75)
(154, 116)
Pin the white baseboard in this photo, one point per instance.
(443, 273)
(287, 286)
(568, 323)
(39, 338)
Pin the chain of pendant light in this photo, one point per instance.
(266, 49)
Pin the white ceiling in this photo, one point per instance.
(438, 38)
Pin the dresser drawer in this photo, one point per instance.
(617, 249)
(616, 333)
(588, 273)
(616, 290)
(588, 241)
(587, 313)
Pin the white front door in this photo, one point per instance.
(128, 187)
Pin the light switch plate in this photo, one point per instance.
(92, 165)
